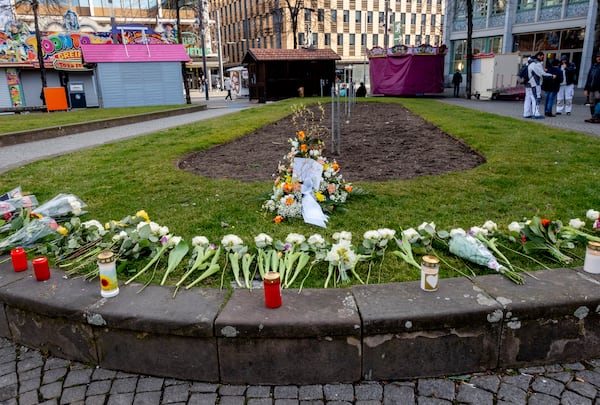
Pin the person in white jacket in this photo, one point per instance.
(533, 86)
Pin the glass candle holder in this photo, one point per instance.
(272, 286)
(430, 268)
(109, 286)
(41, 268)
(18, 256)
(591, 263)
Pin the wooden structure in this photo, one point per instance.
(281, 73)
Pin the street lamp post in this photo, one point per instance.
(40, 54)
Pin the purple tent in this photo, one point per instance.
(407, 71)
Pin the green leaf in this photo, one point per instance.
(175, 257)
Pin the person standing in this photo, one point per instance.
(361, 91)
(533, 88)
(552, 87)
(591, 90)
(228, 89)
(564, 100)
(456, 81)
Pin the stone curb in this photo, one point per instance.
(375, 332)
(14, 138)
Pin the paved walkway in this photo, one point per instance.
(29, 377)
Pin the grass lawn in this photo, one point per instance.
(23, 122)
(531, 170)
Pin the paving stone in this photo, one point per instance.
(147, 398)
(120, 399)
(339, 403)
(488, 382)
(29, 374)
(259, 401)
(95, 400)
(338, 392)
(542, 399)
(511, 393)
(594, 362)
(123, 386)
(9, 379)
(521, 381)
(98, 387)
(285, 392)
(232, 400)
(574, 366)
(314, 402)
(563, 377)
(234, 390)
(32, 359)
(54, 362)
(533, 370)
(8, 391)
(203, 399)
(258, 391)
(29, 385)
(583, 388)
(52, 390)
(372, 402)
(54, 374)
(286, 401)
(437, 388)
(369, 391)
(589, 376)
(78, 377)
(204, 387)
(398, 394)
(73, 394)
(29, 398)
(553, 368)
(472, 395)
(149, 384)
(432, 401)
(103, 374)
(310, 392)
(175, 393)
(571, 398)
(9, 367)
(547, 386)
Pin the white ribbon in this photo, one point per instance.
(311, 210)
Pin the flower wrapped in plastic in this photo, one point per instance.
(472, 249)
(12, 208)
(61, 207)
(31, 233)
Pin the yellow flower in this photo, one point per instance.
(319, 196)
(106, 283)
(143, 214)
(62, 230)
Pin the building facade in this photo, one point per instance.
(555, 27)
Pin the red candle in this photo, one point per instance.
(272, 290)
(19, 259)
(41, 269)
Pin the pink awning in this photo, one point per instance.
(94, 53)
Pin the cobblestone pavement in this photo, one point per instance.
(28, 377)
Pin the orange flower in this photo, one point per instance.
(545, 222)
(303, 148)
(289, 200)
(301, 135)
(287, 187)
(278, 219)
(335, 166)
(348, 188)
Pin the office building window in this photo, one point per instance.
(340, 39)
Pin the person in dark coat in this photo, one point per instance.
(564, 101)
(591, 90)
(361, 91)
(456, 81)
(552, 87)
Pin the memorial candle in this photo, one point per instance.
(19, 259)
(272, 286)
(41, 268)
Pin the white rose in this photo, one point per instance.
(592, 215)
(316, 239)
(295, 238)
(344, 235)
(576, 223)
(427, 227)
(262, 240)
(386, 233)
(514, 227)
(411, 234)
(371, 235)
(200, 241)
(231, 240)
(491, 226)
(475, 230)
(457, 232)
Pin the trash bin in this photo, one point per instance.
(77, 95)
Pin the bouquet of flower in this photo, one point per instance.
(343, 258)
(285, 201)
(61, 207)
(542, 235)
(12, 208)
(374, 246)
(31, 233)
(474, 250)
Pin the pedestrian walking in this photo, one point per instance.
(456, 81)
(228, 89)
(551, 87)
(564, 98)
(591, 90)
(533, 88)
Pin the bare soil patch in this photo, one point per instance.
(379, 142)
